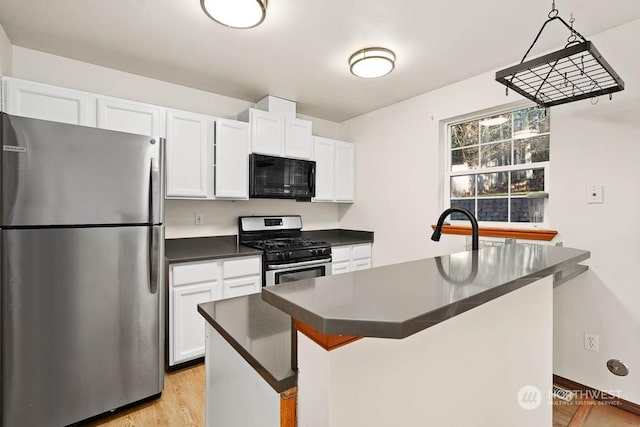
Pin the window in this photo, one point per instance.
(495, 161)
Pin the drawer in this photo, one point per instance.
(196, 272)
(361, 264)
(361, 251)
(341, 253)
(340, 267)
(242, 286)
(241, 267)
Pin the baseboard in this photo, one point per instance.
(616, 401)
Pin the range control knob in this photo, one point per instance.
(288, 254)
(279, 255)
(314, 252)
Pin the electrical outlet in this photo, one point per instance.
(591, 342)
(199, 218)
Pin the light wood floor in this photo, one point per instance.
(585, 412)
(182, 404)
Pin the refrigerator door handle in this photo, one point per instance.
(154, 258)
(155, 193)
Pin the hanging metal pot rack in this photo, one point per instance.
(571, 74)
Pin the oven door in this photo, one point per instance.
(285, 273)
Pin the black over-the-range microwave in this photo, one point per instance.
(281, 178)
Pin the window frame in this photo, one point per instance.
(448, 173)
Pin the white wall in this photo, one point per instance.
(601, 145)
(399, 194)
(6, 54)
(220, 216)
(399, 168)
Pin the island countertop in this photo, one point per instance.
(398, 300)
(260, 333)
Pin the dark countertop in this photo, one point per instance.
(203, 248)
(398, 300)
(260, 333)
(340, 237)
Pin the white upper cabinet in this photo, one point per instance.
(190, 145)
(324, 150)
(130, 116)
(232, 159)
(46, 102)
(267, 131)
(298, 142)
(335, 170)
(345, 171)
(275, 135)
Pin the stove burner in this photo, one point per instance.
(286, 243)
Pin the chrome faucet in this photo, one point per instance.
(474, 226)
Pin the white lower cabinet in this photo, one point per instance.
(188, 328)
(193, 283)
(350, 258)
(242, 286)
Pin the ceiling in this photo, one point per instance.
(300, 52)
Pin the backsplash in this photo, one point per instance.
(221, 216)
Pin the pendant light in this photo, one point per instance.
(372, 62)
(236, 13)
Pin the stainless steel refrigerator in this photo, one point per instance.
(82, 243)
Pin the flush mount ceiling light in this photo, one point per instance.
(576, 72)
(236, 13)
(372, 62)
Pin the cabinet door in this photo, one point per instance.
(241, 286)
(297, 139)
(189, 155)
(46, 102)
(345, 171)
(187, 325)
(324, 155)
(240, 267)
(130, 116)
(361, 251)
(232, 159)
(340, 267)
(267, 133)
(360, 264)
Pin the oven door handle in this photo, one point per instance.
(298, 264)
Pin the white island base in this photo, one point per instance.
(465, 371)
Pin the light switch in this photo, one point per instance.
(595, 194)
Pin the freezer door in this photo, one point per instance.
(81, 330)
(61, 174)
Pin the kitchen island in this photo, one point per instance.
(450, 340)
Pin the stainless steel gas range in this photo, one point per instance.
(287, 256)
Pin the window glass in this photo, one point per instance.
(495, 161)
